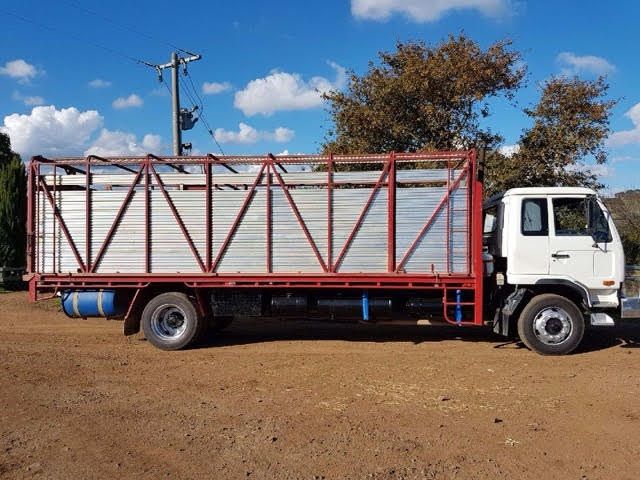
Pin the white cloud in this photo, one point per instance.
(132, 100)
(246, 134)
(30, 101)
(281, 135)
(33, 101)
(623, 158)
(573, 64)
(509, 150)
(286, 91)
(20, 70)
(112, 143)
(99, 83)
(626, 137)
(601, 170)
(212, 88)
(160, 92)
(424, 10)
(52, 132)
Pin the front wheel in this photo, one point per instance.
(170, 321)
(551, 325)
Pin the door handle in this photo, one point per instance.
(560, 255)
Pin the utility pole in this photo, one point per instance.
(175, 104)
(176, 112)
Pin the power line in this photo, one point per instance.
(205, 124)
(164, 82)
(74, 36)
(193, 87)
(189, 96)
(202, 116)
(125, 55)
(124, 26)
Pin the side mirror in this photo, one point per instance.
(598, 223)
(600, 237)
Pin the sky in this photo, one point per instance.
(71, 82)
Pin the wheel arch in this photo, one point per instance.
(573, 291)
(132, 321)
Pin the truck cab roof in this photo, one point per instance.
(540, 191)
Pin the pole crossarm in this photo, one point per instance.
(181, 60)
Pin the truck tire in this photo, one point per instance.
(170, 321)
(551, 325)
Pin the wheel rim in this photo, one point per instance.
(169, 322)
(552, 326)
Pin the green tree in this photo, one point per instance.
(570, 126)
(13, 198)
(625, 210)
(423, 97)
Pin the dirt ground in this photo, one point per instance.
(311, 401)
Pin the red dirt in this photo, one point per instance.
(310, 400)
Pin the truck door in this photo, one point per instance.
(578, 241)
(530, 250)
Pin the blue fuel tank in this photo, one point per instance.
(91, 303)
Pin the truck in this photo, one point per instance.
(176, 246)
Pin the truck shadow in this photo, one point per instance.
(246, 332)
(260, 331)
(622, 336)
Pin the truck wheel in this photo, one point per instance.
(551, 325)
(170, 321)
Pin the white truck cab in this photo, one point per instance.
(553, 252)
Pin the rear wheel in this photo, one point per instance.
(551, 325)
(170, 321)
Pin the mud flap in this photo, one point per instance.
(503, 315)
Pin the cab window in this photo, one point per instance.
(490, 220)
(580, 217)
(534, 217)
(570, 217)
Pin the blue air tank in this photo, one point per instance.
(91, 303)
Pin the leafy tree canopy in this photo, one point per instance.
(423, 97)
(570, 125)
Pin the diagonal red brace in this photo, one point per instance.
(63, 225)
(363, 213)
(176, 215)
(301, 222)
(236, 222)
(443, 201)
(116, 221)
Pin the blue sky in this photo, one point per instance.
(264, 61)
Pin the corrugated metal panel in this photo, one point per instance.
(368, 250)
(291, 250)
(246, 252)
(414, 208)
(247, 249)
